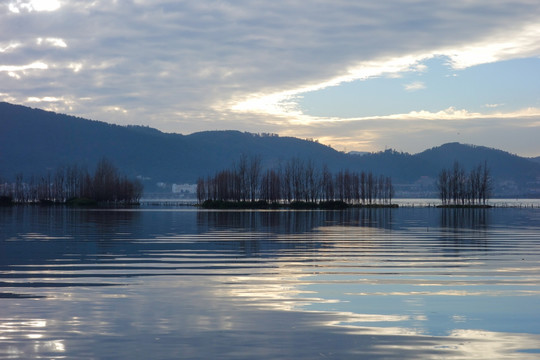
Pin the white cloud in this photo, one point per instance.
(508, 45)
(9, 47)
(33, 5)
(33, 66)
(283, 104)
(57, 42)
(76, 67)
(414, 86)
(115, 109)
(43, 99)
(416, 131)
(450, 113)
(13, 75)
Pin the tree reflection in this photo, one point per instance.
(293, 222)
(465, 218)
(465, 229)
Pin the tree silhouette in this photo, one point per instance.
(456, 187)
(294, 181)
(106, 185)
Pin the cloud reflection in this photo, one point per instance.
(297, 286)
(32, 333)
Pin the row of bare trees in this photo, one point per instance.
(70, 182)
(296, 180)
(456, 187)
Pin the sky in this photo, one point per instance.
(358, 75)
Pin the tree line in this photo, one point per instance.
(66, 183)
(456, 187)
(294, 181)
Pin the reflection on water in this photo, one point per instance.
(465, 218)
(293, 221)
(181, 283)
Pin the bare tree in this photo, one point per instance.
(459, 188)
(242, 173)
(270, 186)
(296, 180)
(363, 192)
(485, 184)
(253, 177)
(370, 187)
(389, 190)
(312, 180)
(202, 195)
(59, 185)
(327, 184)
(443, 186)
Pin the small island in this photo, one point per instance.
(75, 186)
(295, 205)
(458, 189)
(300, 184)
(297, 184)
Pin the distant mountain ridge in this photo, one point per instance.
(34, 141)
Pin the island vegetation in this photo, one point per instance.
(460, 189)
(295, 184)
(74, 185)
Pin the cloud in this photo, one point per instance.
(44, 99)
(186, 66)
(414, 86)
(33, 5)
(52, 42)
(8, 47)
(418, 130)
(283, 103)
(498, 47)
(528, 117)
(33, 66)
(456, 114)
(520, 44)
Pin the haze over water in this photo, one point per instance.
(161, 283)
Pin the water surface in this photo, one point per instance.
(166, 283)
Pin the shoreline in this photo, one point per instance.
(261, 205)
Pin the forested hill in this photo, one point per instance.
(34, 141)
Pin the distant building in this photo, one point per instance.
(184, 188)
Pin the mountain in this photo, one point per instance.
(34, 142)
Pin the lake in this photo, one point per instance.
(181, 283)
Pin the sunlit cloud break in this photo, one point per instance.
(513, 45)
(450, 113)
(283, 103)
